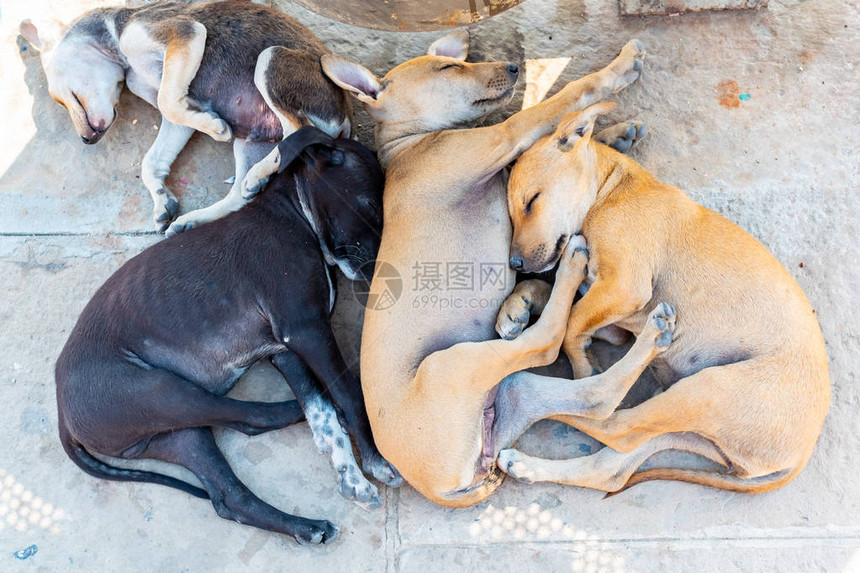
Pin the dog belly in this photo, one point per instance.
(450, 295)
(204, 362)
(236, 100)
(697, 345)
(237, 34)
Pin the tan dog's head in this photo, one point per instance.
(81, 77)
(429, 93)
(551, 188)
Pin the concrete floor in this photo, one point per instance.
(755, 114)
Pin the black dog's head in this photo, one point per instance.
(340, 185)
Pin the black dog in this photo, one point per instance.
(145, 369)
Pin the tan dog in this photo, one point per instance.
(430, 372)
(747, 376)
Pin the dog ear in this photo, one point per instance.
(45, 36)
(293, 145)
(580, 125)
(354, 78)
(454, 45)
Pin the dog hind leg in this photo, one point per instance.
(761, 449)
(158, 401)
(259, 174)
(525, 397)
(607, 469)
(196, 450)
(184, 42)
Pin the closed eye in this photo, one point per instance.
(531, 202)
(452, 65)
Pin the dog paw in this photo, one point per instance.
(516, 464)
(381, 470)
(575, 257)
(661, 325)
(355, 487)
(623, 136)
(628, 66)
(317, 532)
(576, 245)
(165, 210)
(176, 227)
(513, 317)
(252, 185)
(181, 224)
(219, 130)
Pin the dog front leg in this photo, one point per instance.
(488, 362)
(622, 136)
(171, 139)
(258, 175)
(523, 129)
(605, 303)
(329, 435)
(318, 350)
(183, 54)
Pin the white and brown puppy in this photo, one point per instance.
(746, 376)
(228, 69)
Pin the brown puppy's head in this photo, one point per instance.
(551, 188)
(429, 93)
(81, 77)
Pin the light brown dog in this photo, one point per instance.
(746, 375)
(430, 368)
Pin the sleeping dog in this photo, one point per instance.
(745, 377)
(145, 370)
(229, 69)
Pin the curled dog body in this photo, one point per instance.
(430, 378)
(229, 69)
(145, 370)
(746, 377)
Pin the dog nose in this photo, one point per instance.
(86, 140)
(513, 70)
(517, 263)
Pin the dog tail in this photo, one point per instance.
(713, 479)
(97, 468)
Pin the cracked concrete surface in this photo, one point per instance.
(754, 114)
